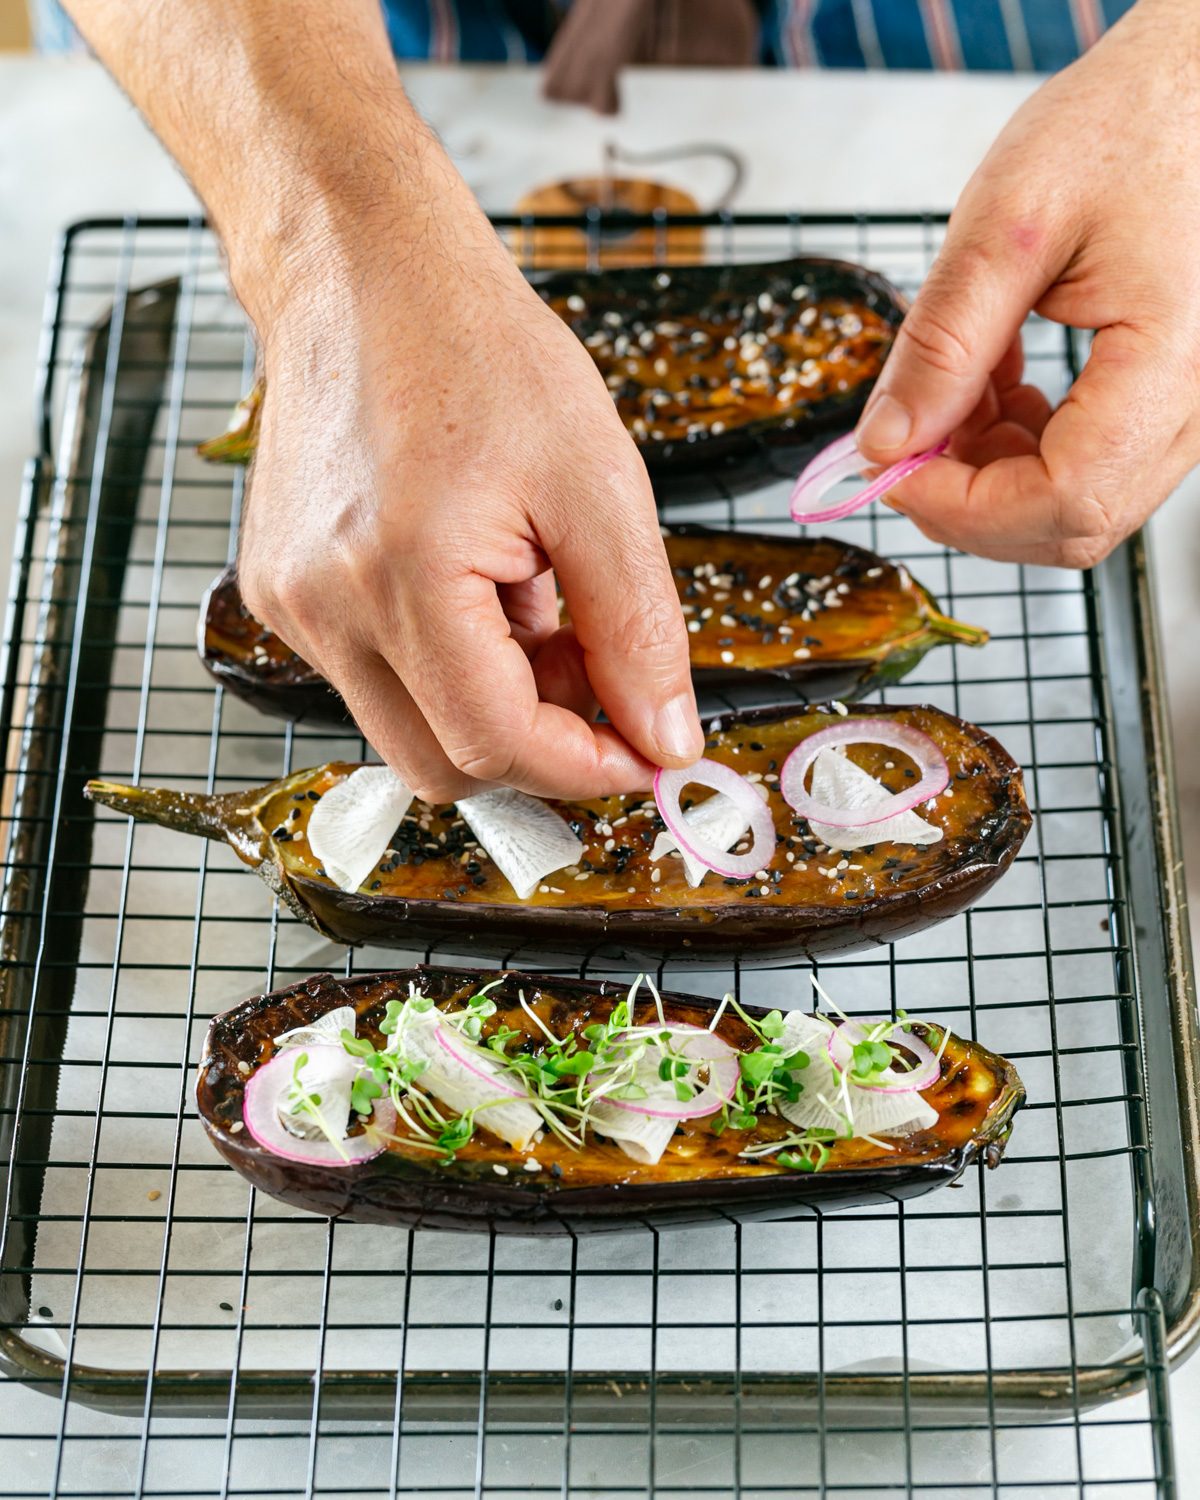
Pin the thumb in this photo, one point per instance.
(964, 319)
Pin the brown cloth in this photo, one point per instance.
(597, 38)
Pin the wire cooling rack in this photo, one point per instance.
(166, 1332)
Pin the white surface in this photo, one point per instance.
(70, 145)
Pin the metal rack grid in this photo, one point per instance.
(964, 1345)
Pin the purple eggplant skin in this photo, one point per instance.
(398, 1190)
(979, 846)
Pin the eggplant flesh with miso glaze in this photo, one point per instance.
(830, 619)
(550, 1186)
(432, 888)
(725, 376)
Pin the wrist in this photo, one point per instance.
(346, 202)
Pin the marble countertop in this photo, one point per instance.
(72, 146)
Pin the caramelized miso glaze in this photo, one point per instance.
(434, 853)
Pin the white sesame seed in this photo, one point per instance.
(874, 573)
(557, 891)
(694, 626)
(655, 876)
(726, 657)
(717, 428)
(235, 1127)
(764, 890)
(610, 845)
(499, 1169)
(839, 708)
(843, 864)
(576, 303)
(661, 367)
(801, 653)
(243, 1067)
(531, 1164)
(544, 889)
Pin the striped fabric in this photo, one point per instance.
(996, 35)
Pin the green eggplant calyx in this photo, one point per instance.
(957, 632)
(237, 443)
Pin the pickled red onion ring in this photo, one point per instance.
(934, 778)
(260, 1113)
(669, 784)
(840, 1046)
(842, 460)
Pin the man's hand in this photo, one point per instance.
(436, 446)
(434, 442)
(1087, 209)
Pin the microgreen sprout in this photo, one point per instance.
(301, 1100)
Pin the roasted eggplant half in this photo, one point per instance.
(432, 887)
(831, 619)
(454, 1099)
(712, 368)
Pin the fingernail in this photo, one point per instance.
(677, 732)
(886, 425)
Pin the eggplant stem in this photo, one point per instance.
(188, 812)
(957, 631)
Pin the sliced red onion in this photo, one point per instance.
(526, 839)
(349, 828)
(841, 1044)
(450, 1041)
(668, 785)
(842, 460)
(261, 1101)
(719, 821)
(934, 778)
(700, 1045)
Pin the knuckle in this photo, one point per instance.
(1084, 552)
(653, 630)
(930, 329)
(488, 760)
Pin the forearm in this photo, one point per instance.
(290, 121)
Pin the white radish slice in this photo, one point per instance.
(719, 821)
(822, 1105)
(838, 782)
(642, 1137)
(325, 1029)
(525, 839)
(872, 1113)
(352, 824)
(461, 1087)
(701, 1046)
(327, 1073)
